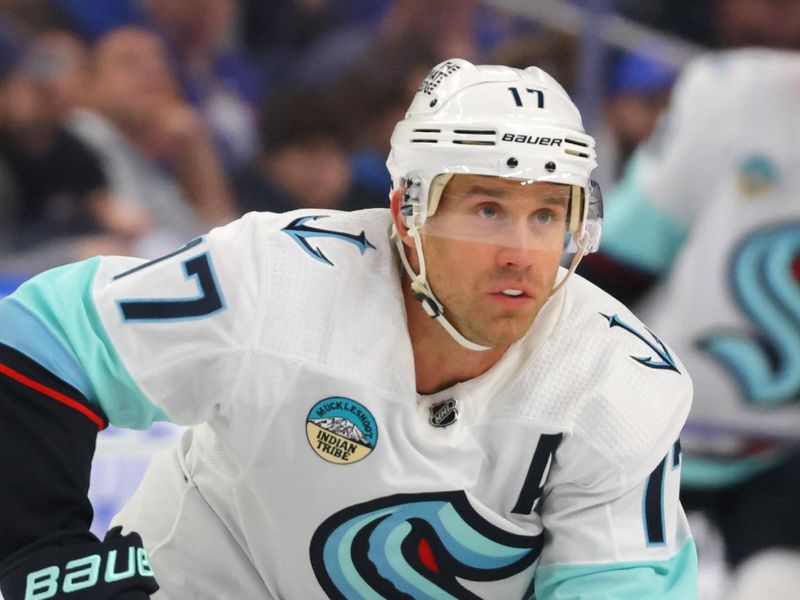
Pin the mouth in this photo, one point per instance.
(512, 295)
(512, 292)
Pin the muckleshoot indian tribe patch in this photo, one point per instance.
(341, 430)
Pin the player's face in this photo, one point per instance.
(492, 253)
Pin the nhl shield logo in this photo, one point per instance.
(341, 430)
(443, 413)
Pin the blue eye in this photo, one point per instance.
(488, 212)
(543, 217)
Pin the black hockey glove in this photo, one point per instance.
(116, 569)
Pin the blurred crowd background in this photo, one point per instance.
(131, 126)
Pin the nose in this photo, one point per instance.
(518, 248)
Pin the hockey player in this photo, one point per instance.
(407, 403)
(709, 210)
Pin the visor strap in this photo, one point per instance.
(437, 186)
(423, 293)
(576, 212)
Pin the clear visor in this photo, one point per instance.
(511, 213)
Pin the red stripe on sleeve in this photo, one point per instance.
(58, 396)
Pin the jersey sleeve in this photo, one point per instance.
(145, 341)
(115, 340)
(613, 521)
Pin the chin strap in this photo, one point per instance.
(423, 293)
(583, 246)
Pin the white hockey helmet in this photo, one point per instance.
(499, 121)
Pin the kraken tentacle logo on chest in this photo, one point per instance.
(415, 546)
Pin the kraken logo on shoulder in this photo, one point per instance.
(301, 232)
(341, 430)
(665, 359)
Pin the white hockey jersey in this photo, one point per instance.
(311, 468)
(712, 204)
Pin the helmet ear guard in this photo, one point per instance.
(420, 201)
(585, 219)
(411, 209)
(593, 220)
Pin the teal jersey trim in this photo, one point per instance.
(710, 474)
(61, 301)
(674, 578)
(23, 331)
(635, 231)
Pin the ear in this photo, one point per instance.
(396, 202)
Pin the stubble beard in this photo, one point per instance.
(499, 330)
(468, 311)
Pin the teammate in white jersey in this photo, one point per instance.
(407, 403)
(709, 209)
